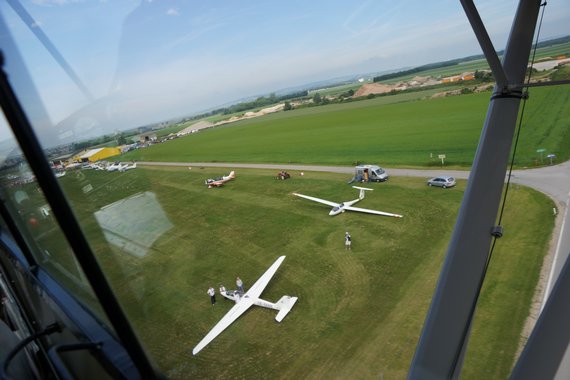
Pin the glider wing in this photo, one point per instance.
(329, 203)
(241, 306)
(372, 212)
(234, 313)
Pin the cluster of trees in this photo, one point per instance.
(562, 73)
(484, 76)
(321, 100)
(318, 99)
(415, 70)
(457, 61)
(430, 66)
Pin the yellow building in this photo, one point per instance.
(98, 154)
(457, 78)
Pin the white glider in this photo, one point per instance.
(337, 208)
(245, 301)
(126, 167)
(114, 166)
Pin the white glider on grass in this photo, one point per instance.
(126, 167)
(245, 301)
(337, 208)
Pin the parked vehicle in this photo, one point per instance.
(369, 173)
(443, 182)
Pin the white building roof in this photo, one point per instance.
(91, 152)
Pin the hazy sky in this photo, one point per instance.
(146, 61)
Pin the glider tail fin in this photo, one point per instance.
(362, 191)
(285, 304)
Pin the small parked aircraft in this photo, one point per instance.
(337, 208)
(114, 166)
(245, 301)
(126, 167)
(95, 166)
(217, 182)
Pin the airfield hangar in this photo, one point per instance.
(94, 155)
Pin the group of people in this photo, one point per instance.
(239, 283)
(283, 175)
(212, 293)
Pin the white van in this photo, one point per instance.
(369, 173)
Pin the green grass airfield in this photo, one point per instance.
(359, 313)
(391, 131)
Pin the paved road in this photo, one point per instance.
(555, 182)
(552, 180)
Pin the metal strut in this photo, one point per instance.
(440, 350)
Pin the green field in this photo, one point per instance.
(441, 72)
(394, 131)
(554, 51)
(335, 90)
(481, 64)
(359, 313)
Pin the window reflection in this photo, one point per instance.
(134, 223)
(26, 203)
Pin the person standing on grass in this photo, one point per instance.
(347, 241)
(212, 294)
(239, 284)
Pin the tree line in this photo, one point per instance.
(429, 66)
(261, 101)
(457, 61)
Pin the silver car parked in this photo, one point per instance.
(443, 182)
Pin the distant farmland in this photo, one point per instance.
(395, 131)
